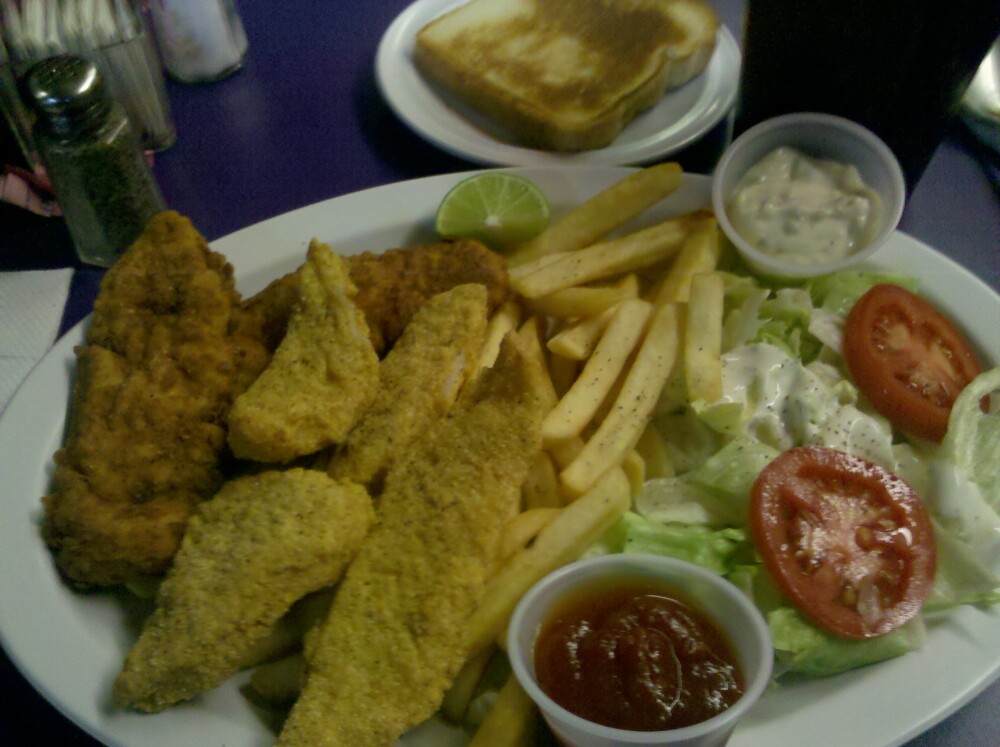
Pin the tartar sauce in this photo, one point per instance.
(804, 210)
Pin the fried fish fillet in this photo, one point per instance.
(392, 285)
(418, 382)
(323, 375)
(165, 356)
(259, 545)
(393, 640)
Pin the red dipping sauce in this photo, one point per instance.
(629, 654)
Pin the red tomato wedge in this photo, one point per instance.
(848, 542)
(907, 359)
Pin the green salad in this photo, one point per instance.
(786, 385)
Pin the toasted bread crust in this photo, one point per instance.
(566, 75)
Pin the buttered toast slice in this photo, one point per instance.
(566, 75)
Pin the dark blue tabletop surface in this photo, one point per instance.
(303, 121)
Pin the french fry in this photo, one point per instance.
(578, 406)
(541, 484)
(531, 335)
(564, 453)
(287, 633)
(463, 687)
(621, 429)
(281, 681)
(577, 526)
(578, 340)
(633, 251)
(703, 338)
(635, 470)
(585, 301)
(503, 321)
(603, 212)
(700, 254)
(523, 528)
(512, 720)
(563, 372)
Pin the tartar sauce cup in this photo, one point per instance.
(719, 601)
(822, 137)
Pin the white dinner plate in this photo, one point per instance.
(70, 646)
(680, 117)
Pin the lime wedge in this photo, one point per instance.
(497, 208)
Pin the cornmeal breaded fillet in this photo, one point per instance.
(394, 284)
(323, 375)
(259, 545)
(393, 640)
(418, 382)
(267, 312)
(165, 357)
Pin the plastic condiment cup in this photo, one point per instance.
(718, 600)
(820, 136)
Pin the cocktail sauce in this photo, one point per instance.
(630, 654)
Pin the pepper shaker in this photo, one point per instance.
(93, 157)
(199, 40)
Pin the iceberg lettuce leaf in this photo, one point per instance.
(802, 647)
(719, 550)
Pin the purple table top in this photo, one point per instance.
(303, 121)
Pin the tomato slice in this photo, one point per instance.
(848, 542)
(907, 359)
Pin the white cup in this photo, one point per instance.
(822, 136)
(721, 603)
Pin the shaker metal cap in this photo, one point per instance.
(67, 92)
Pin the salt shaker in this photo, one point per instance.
(93, 157)
(199, 40)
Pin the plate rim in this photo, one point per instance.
(244, 255)
(394, 56)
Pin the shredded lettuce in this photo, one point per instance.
(719, 551)
(802, 647)
(733, 469)
(838, 292)
(972, 443)
(680, 500)
(688, 440)
(963, 575)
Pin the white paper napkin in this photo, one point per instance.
(31, 307)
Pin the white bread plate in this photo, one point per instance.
(677, 120)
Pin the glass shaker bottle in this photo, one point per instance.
(93, 158)
(199, 40)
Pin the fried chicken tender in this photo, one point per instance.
(418, 382)
(393, 640)
(259, 545)
(323, 375)
(165, 356)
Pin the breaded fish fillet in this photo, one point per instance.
(323, 375)
(267, 312)
(418, 382)
(394, 284)
(393, 640)
(165, 356)
(259, 545)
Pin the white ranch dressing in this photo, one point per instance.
(804, 210)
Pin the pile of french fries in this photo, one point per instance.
(610, 320)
